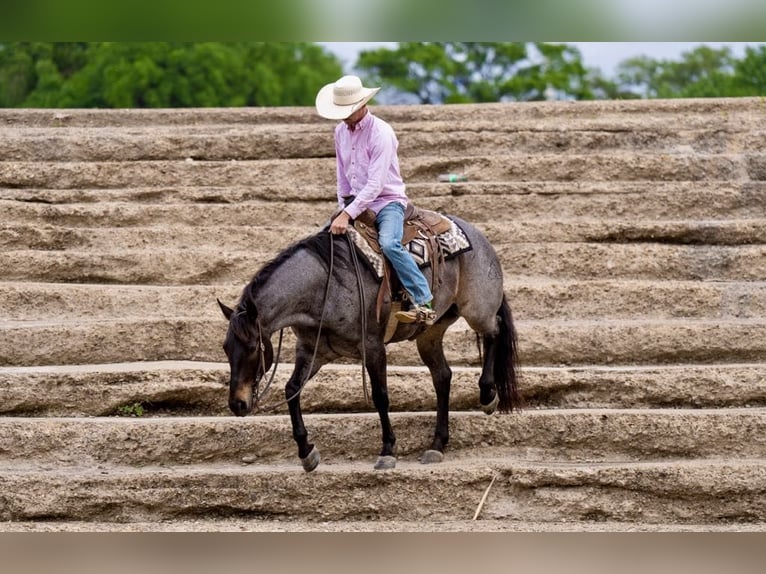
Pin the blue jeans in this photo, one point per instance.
(390, 222)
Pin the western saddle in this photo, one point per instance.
(418, 223)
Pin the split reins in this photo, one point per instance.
(360, 286)
(363, 313)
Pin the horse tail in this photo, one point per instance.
(506, 367)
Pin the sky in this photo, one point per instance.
(603, 55)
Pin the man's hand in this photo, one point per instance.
(339, 225)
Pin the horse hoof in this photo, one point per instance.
(432, 456)
(385, 463)
(492, 406)
(312, 460)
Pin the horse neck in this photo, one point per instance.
(289, 296)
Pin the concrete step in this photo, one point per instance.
(633, 261)
(594, 435)
(557, 260)
(177, 388)
(731, 113)
(234, 237)
(715, 492)
(299, 172)
(150, 143)
(529, 200)
(480, 202)
(546, 342)
(531, 299)
(248, 216)
(213, 142)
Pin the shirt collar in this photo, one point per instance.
(363, 123)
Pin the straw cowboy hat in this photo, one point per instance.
(339, 100)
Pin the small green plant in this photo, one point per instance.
(134, 410)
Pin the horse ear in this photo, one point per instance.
(227, 312)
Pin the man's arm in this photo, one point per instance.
(339, 224)
(343, 187)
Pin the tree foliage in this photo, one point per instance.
(453, 72)
(702, 72)
(161, 74)
(490, 72)
(750, 72)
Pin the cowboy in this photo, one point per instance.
(368, 177)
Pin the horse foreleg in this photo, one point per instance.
(431, 352)
(376, 368)
(307, 452)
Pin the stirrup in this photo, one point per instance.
(417, 314)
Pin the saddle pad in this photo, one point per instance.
(453, 243)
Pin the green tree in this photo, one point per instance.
(289, 74)
(157, 74)
(162, 74)
(750, 72)
(17, 71)
(452, 72)
(702, 72)
(29, 67)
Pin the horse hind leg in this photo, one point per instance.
(431, 351)
(488, 398)
(498, 379)
(484, 323)
(498, 383)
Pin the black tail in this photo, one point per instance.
(506, 367)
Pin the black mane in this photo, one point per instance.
(317, 245)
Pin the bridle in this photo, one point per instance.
(261, 347)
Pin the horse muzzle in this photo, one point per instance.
(241, 400)
(239, 408)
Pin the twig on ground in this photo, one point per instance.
(484, 498)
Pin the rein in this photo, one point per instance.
(363, 313)
(319, 332)
(263, 360)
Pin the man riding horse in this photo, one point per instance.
(315, 288)
(368, 177)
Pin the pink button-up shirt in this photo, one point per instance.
(368, 166)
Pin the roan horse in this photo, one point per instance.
(313, 288)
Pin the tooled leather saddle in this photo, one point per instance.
(418, 223)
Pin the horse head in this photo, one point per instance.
(250, 356)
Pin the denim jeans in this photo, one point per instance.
(390, 222)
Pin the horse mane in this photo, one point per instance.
(317, 245)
